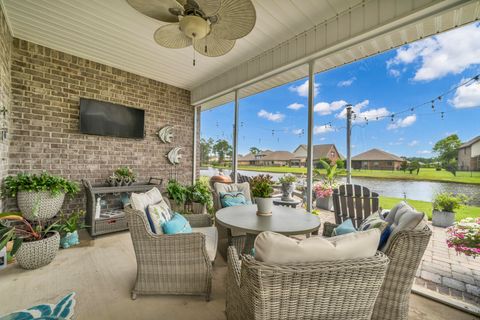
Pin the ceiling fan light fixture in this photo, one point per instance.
(194, 27)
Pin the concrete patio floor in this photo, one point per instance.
(102, 272)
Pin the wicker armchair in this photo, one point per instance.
(335, 290)
(170, 264)
(405, 252)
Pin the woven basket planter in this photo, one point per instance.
(45, 205)
(36, 254)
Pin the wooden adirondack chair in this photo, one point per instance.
(352, 201)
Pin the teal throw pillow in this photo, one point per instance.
(231, 199)
(177, 224)
(344, 228)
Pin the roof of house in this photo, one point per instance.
(319, 150)
(376, 154)
(470, 142)
(279, 156)
(250, 156)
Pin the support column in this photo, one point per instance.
(235, 140)
(311, 86)
(349, 146)
(195, 141)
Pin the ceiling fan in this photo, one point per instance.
(210, 26)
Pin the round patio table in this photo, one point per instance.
(284, 220)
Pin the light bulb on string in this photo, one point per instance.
(433, 105)
(392, 116)
(442, 114)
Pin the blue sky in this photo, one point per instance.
(377, 86)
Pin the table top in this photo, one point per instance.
(284, 220)
(279, 200)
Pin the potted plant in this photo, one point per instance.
(43, 194)
(177, 195)
(34, 245)
(123, 176)
(200, 196)
(262, 190)
(68, 227)
(464, 237)
(323, 190)
(444, 206)
(288, 186)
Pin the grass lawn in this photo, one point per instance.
(464, 212)
(426, 174)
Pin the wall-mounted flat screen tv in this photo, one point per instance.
(109, 119)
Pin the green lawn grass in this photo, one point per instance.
(425, 174)
(423, 206)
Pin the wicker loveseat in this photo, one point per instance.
(173, 264)
(334, 290)
(405, 251)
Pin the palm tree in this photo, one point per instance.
(255, 150)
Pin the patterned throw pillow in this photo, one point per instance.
(376, 221)
(230, 199)
(177, 224)
(157, 215)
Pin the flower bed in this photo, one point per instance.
(464, 237)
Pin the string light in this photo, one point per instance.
(433, 105)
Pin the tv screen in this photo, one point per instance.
(109, 119)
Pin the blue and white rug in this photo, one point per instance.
(63, 310)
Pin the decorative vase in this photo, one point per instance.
(39, 205)
(111, 181)
(199, 208)
(287, 190)
(443, 219)
(325, 203)
(69, 240)
(264, 206)
(36, 254)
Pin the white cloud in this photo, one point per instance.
(346, 83)
(322, 129)
(325, 108)
(394, 72)
(424, 152)
(275, 117)
(402, 123)
(322, 139)
(295, 106)
(302, 90)
(467, 96)
(371, 114)
(297, 131)
(447, 53)
(413, 143)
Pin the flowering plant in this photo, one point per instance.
(464, 237)
(323, 190)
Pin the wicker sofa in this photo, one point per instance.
(405, 251)
(335, 290)
(173, 264)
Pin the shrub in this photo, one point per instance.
(448, 202)
(262, 186)
(340, 164)
(200, 192)
(35, 183)
(125, 172)
(176, 191)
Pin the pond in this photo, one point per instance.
(413, 189)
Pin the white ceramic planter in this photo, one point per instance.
(264, 206)
(325, 203)
(39, 205)
(443, 219)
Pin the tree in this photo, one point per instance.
(415, 165)
(452, 167)
(446, 149)
(205, 149)
(222, 148)
(255, 150)
(404, 165)
(340, 164)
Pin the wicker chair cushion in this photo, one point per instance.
(140, 201)
(211, 240)
(390, 218)
(406, 219)
(271, 247)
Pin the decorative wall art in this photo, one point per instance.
(166, 134)
(174, 155)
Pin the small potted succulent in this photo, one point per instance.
(262, 190)
(464, 237)
(123, 176)
(39, 196)
(288, 186)
(177, 195)
(444, 206)
(200, 197)
(34, 244)
(68, 226)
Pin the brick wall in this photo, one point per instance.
(46, 87)
(5, 91)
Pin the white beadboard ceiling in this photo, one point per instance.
(113, 33)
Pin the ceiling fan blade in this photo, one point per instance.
(209, 7)
(170, 36)
(236, 18)
(215, 47)
(157, 9)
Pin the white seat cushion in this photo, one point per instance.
(211, 240)
(140, 201)
(405, 219)
(271, 247)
